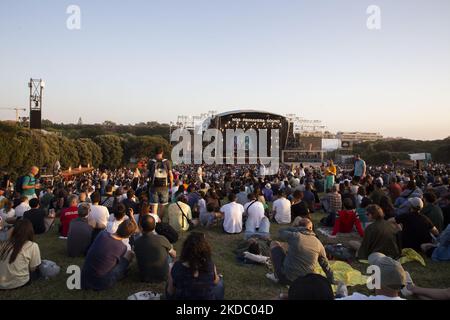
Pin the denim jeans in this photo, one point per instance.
(118, 273)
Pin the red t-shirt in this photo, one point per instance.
(345, 221)
(67, 215)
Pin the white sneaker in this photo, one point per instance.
(271, 276)
(409, 282)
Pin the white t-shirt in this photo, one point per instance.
(17, 274)
(99, 214)
(21, 208)
(113, 224)
(232, 217)
(7, 215)
(282, 208)
(255, 213)
(359, 296)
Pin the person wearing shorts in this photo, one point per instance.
(160, 181)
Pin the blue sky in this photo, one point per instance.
(136, 61)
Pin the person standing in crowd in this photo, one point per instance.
(20, 257)
(359, 168)
(194, 276)
(30, 184)
(79, 236)
(233, 214)
(153, 253)
(108, 259)
(330, 174)
(68, 214)
(160, 181)
(281, 210)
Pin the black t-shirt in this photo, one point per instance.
(36, 216)
(416, 230)
(299, 210)
(151, 255)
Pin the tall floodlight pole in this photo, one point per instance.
(36, 87)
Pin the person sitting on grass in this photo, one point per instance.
(99, 214)
(194, 276)
(68, 214)
(361, 212)
(310, 287)
(108, 259)
(281, 209)
(180, 214)
(433, 211)
(7, 215)
(416, 228)
(347, 219)
(233, 215)
(304, 251)
(441, 250)
(39, 219)
(20, 257)
(153, 253)
(116, 219)
(80, 233)
(333, 203)
(22, 207)
(391, 280)
(299, 208)
(380, 236)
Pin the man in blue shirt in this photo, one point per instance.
(360, 168)
(107, 260)
(29, 184)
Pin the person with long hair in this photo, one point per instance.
(19, 257)
(194, 276)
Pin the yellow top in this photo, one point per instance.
(331, 170)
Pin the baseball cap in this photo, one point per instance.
(416, 203)
(392, 275)
(268, 186)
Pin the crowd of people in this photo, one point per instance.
(111, 217)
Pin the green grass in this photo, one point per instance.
(241, 281)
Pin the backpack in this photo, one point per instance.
(160, 174)
(19, 183)
(166, 230)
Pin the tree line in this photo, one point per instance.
(21, 148)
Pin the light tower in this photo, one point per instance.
(36, 87)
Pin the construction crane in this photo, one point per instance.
(17, 111)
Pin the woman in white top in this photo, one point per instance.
(19, 257)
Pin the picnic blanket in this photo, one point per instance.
(344, 272)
